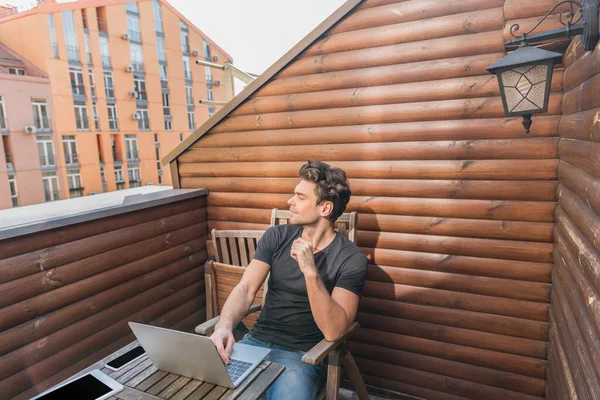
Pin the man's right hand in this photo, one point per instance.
(224, 341)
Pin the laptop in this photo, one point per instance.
(196, 356)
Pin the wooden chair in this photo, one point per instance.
(221, 276)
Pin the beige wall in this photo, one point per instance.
(17, 93)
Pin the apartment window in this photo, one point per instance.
(166, 104)
(92, 82)
(113, 123)
(88, 53)
(52, 36)
(191, 120)
(3, 119)
(45, 147)
(187, 72)
(16, 71)
(137, 56)
(188, 95)
(206, 48)
(158, 165)
(209, 94)
(131, 7)
(211, 111)
(185, 41)
(160, 46)
(8, 153)
(74, 181)
(104, 49)
(135, 180)
(14, 194)
(40, 114)
(144, 118)
(131, 148)
(139, 86)
(209, 78)
(133, 28)
(77, 87)
(116, 148)
(108, 85)
(95, 112)
(157, 16)
(70, 36)
(81, 116)
(119, 178)
(168, 125)
(181, 137)
(162, 69)
(50, 182)
(70, 150)
(103, 179)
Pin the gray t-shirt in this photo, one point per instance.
(286, 319)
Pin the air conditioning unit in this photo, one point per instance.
(30, 129)
(215, 58)
(217, 83)
(195, 53)
(136, 116)
(125, 36)
(133, 94)
(129, 68)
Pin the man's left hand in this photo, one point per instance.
(302, 252)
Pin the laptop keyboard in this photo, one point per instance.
(236, 368)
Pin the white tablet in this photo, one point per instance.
(94, 385)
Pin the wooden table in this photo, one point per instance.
(142, 381)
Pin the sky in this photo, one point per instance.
(255, 33)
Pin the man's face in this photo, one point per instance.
(303, 204)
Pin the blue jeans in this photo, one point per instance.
(299, 381)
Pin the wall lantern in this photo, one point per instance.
(525, 75)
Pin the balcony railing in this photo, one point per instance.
(138, 67)
(51, 195)
(42, 123)
(141, 95)
(166, 111)
(106, 61)
(78, 90)
(75, 192)
(9, 161)
(136, 36)
(47, 161)
(72, 53)
(72, 158)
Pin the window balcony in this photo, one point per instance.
(47, 161)
(106, 61)
(10, 166)
(136, 36)
(42, 124)
(3, 124)
(102, 25)
(138, 67)
(51, 195)
(187, 75)
(72, 158)
(72, 53)
(164, 84)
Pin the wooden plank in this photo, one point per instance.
(458, 208)
(584, 125)
(151, 381)
(133, 394)
(462, 129)
(235, 259)
(224, 250)
(465, 337)
(233, 394)
(241, 242)
(501, 325)
(585, 186)
(142, 376)
(216, 393)
(586, 221)
(188, 389)
(133, 372)
(201, 392)
(174, 388)
(441, 189)
(173, 166)
(442, 150)
(261, 384)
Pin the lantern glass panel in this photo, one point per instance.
(526, 88)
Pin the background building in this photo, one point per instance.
(112, 86)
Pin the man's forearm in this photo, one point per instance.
(235, 308)
(329, 316)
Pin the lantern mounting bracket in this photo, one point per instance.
(578, 19)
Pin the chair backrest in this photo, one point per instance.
(345, 224)
(235, 247)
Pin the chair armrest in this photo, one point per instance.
(322, 349)
(207, 328)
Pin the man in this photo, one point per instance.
(317, 276)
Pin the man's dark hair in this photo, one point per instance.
(331, 185)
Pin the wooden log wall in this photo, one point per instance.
(68, 293)
(574, 359)
(456, 203)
